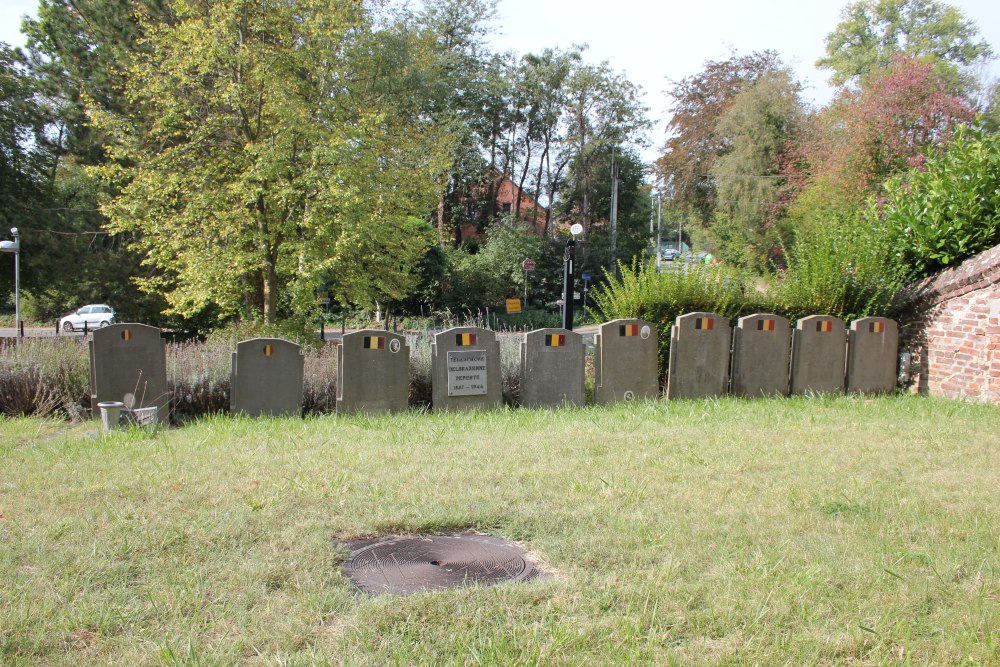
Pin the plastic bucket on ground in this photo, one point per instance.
(111, 412)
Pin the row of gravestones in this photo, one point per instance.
(761, 356)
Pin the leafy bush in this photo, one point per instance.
(660, 298)
(487, 277)
(950, 208)
(848, 268)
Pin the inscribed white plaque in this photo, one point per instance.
(467, 373)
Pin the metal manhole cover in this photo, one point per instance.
(413, 564)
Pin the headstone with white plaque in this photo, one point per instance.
(465, 369)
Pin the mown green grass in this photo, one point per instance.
(803, 531)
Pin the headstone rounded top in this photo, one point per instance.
(125, 331)
(748, 319)
(465, 337)
(268, 346)
(703, 320)
(872, 324)
(554, 337)
(819, 323)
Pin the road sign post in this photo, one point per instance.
(528, 265)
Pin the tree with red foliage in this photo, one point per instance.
(866, 136)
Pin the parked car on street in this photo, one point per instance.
(670, 254)
(91, 316)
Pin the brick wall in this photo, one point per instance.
(953, 331)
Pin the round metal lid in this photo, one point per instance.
(413, 564)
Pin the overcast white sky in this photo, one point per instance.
(653, 42)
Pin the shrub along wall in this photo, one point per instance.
(953, 331)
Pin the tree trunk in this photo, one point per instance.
(582, 180)
(440, 221)
(524, 170)
(538, 189)
(270, 279)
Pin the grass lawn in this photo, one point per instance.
(802, 531)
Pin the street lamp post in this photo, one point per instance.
(15, 247)
(569, 259)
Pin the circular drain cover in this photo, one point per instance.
(413, 564)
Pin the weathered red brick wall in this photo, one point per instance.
(953, 332)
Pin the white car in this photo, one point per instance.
(91, 317)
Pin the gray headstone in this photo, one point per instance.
(552, 368)
(699, 356)
(872, 349)
(762, 347)
(819, 349)
(373, 372)
(625, 362)
(465, 369)
(267, 378)
(128, 363)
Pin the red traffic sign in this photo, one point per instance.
(528, 264)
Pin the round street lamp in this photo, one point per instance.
(15, 247)
(569, 258)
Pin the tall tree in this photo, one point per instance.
(603, 110)
(544, 78)
(75, 52)
(20, 120)
(864, 137)
(867, 135)
(634, 208)
(269, 146)
(458, 79)
(759, 129)
(694, 145)
(872, 32)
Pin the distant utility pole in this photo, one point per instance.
(659, 222)
(614, 213)
(680, 243)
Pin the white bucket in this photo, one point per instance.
(111, 412)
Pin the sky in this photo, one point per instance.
(654, 42)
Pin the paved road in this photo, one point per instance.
(33, 332)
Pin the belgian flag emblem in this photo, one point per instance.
(765, 325)
(628, 330)
(374, 342)
(876, 327)
(704, 323)
(555, 340)
(127, 335)
(465, 340)
(268, 350)
(826, 326)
